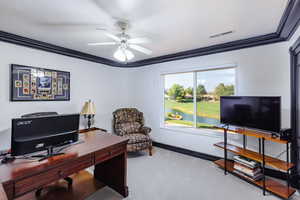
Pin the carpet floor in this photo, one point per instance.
(172, 176)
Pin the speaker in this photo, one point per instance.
(285, 134)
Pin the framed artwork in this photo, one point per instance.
(39, 84)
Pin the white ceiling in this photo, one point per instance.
(172, 25)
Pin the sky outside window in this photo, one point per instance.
(210, 79)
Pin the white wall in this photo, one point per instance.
(106, 86)
(263, 70)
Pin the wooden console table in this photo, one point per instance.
(105, 151)
(267, 184)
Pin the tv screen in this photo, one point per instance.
(262, 113)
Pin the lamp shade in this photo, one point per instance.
(88, 108)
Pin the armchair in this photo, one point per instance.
(129, 123)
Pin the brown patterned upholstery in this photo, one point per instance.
(128, 128)
(137, 138)
(129, 123)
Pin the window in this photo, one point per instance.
(192, 99)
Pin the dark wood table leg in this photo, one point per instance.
(9, 190)
(3, 195)
(113, 173)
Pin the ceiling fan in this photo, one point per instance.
(124, 42)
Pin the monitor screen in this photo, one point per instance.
(262, 113)
(37, 133)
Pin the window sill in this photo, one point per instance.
(196, 131)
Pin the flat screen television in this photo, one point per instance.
(32, 134)
(258, 112)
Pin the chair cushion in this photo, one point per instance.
(138, 146)
(130, 127)
(137, 138)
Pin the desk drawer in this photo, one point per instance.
(36, 181)
(106, 154)
(77, 165)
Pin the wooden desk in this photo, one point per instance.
(105, 151)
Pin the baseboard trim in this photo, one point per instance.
(269, 172)
(186, 151)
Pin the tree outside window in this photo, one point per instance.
(203, 111)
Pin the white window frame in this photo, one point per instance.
(193, 130)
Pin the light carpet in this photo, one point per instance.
(172, 176)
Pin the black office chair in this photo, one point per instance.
(46, 114)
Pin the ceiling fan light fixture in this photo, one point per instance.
(123, 55)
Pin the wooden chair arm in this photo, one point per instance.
(146, 130)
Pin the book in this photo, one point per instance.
(247, 170)
(251, 167)
(252, 178)
(246, 161)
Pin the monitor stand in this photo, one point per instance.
(50, 153)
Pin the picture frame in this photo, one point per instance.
(29, 83)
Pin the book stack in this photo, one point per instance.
(247, 168)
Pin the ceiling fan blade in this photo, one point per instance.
(138, 40)
(101, 29)
(74, 26)
(112, 36)
(102, 43)
(140, 49)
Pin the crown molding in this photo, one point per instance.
(288, 25)
(290, 20)
(220, 48)
(24, 41)
(295, 49)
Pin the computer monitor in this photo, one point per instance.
(34, 134)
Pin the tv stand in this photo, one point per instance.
(266, 184)
(50, 153)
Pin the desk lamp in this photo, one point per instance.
(88, 111)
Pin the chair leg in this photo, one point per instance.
(69, 181)
(150, 150)
(38, 192)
